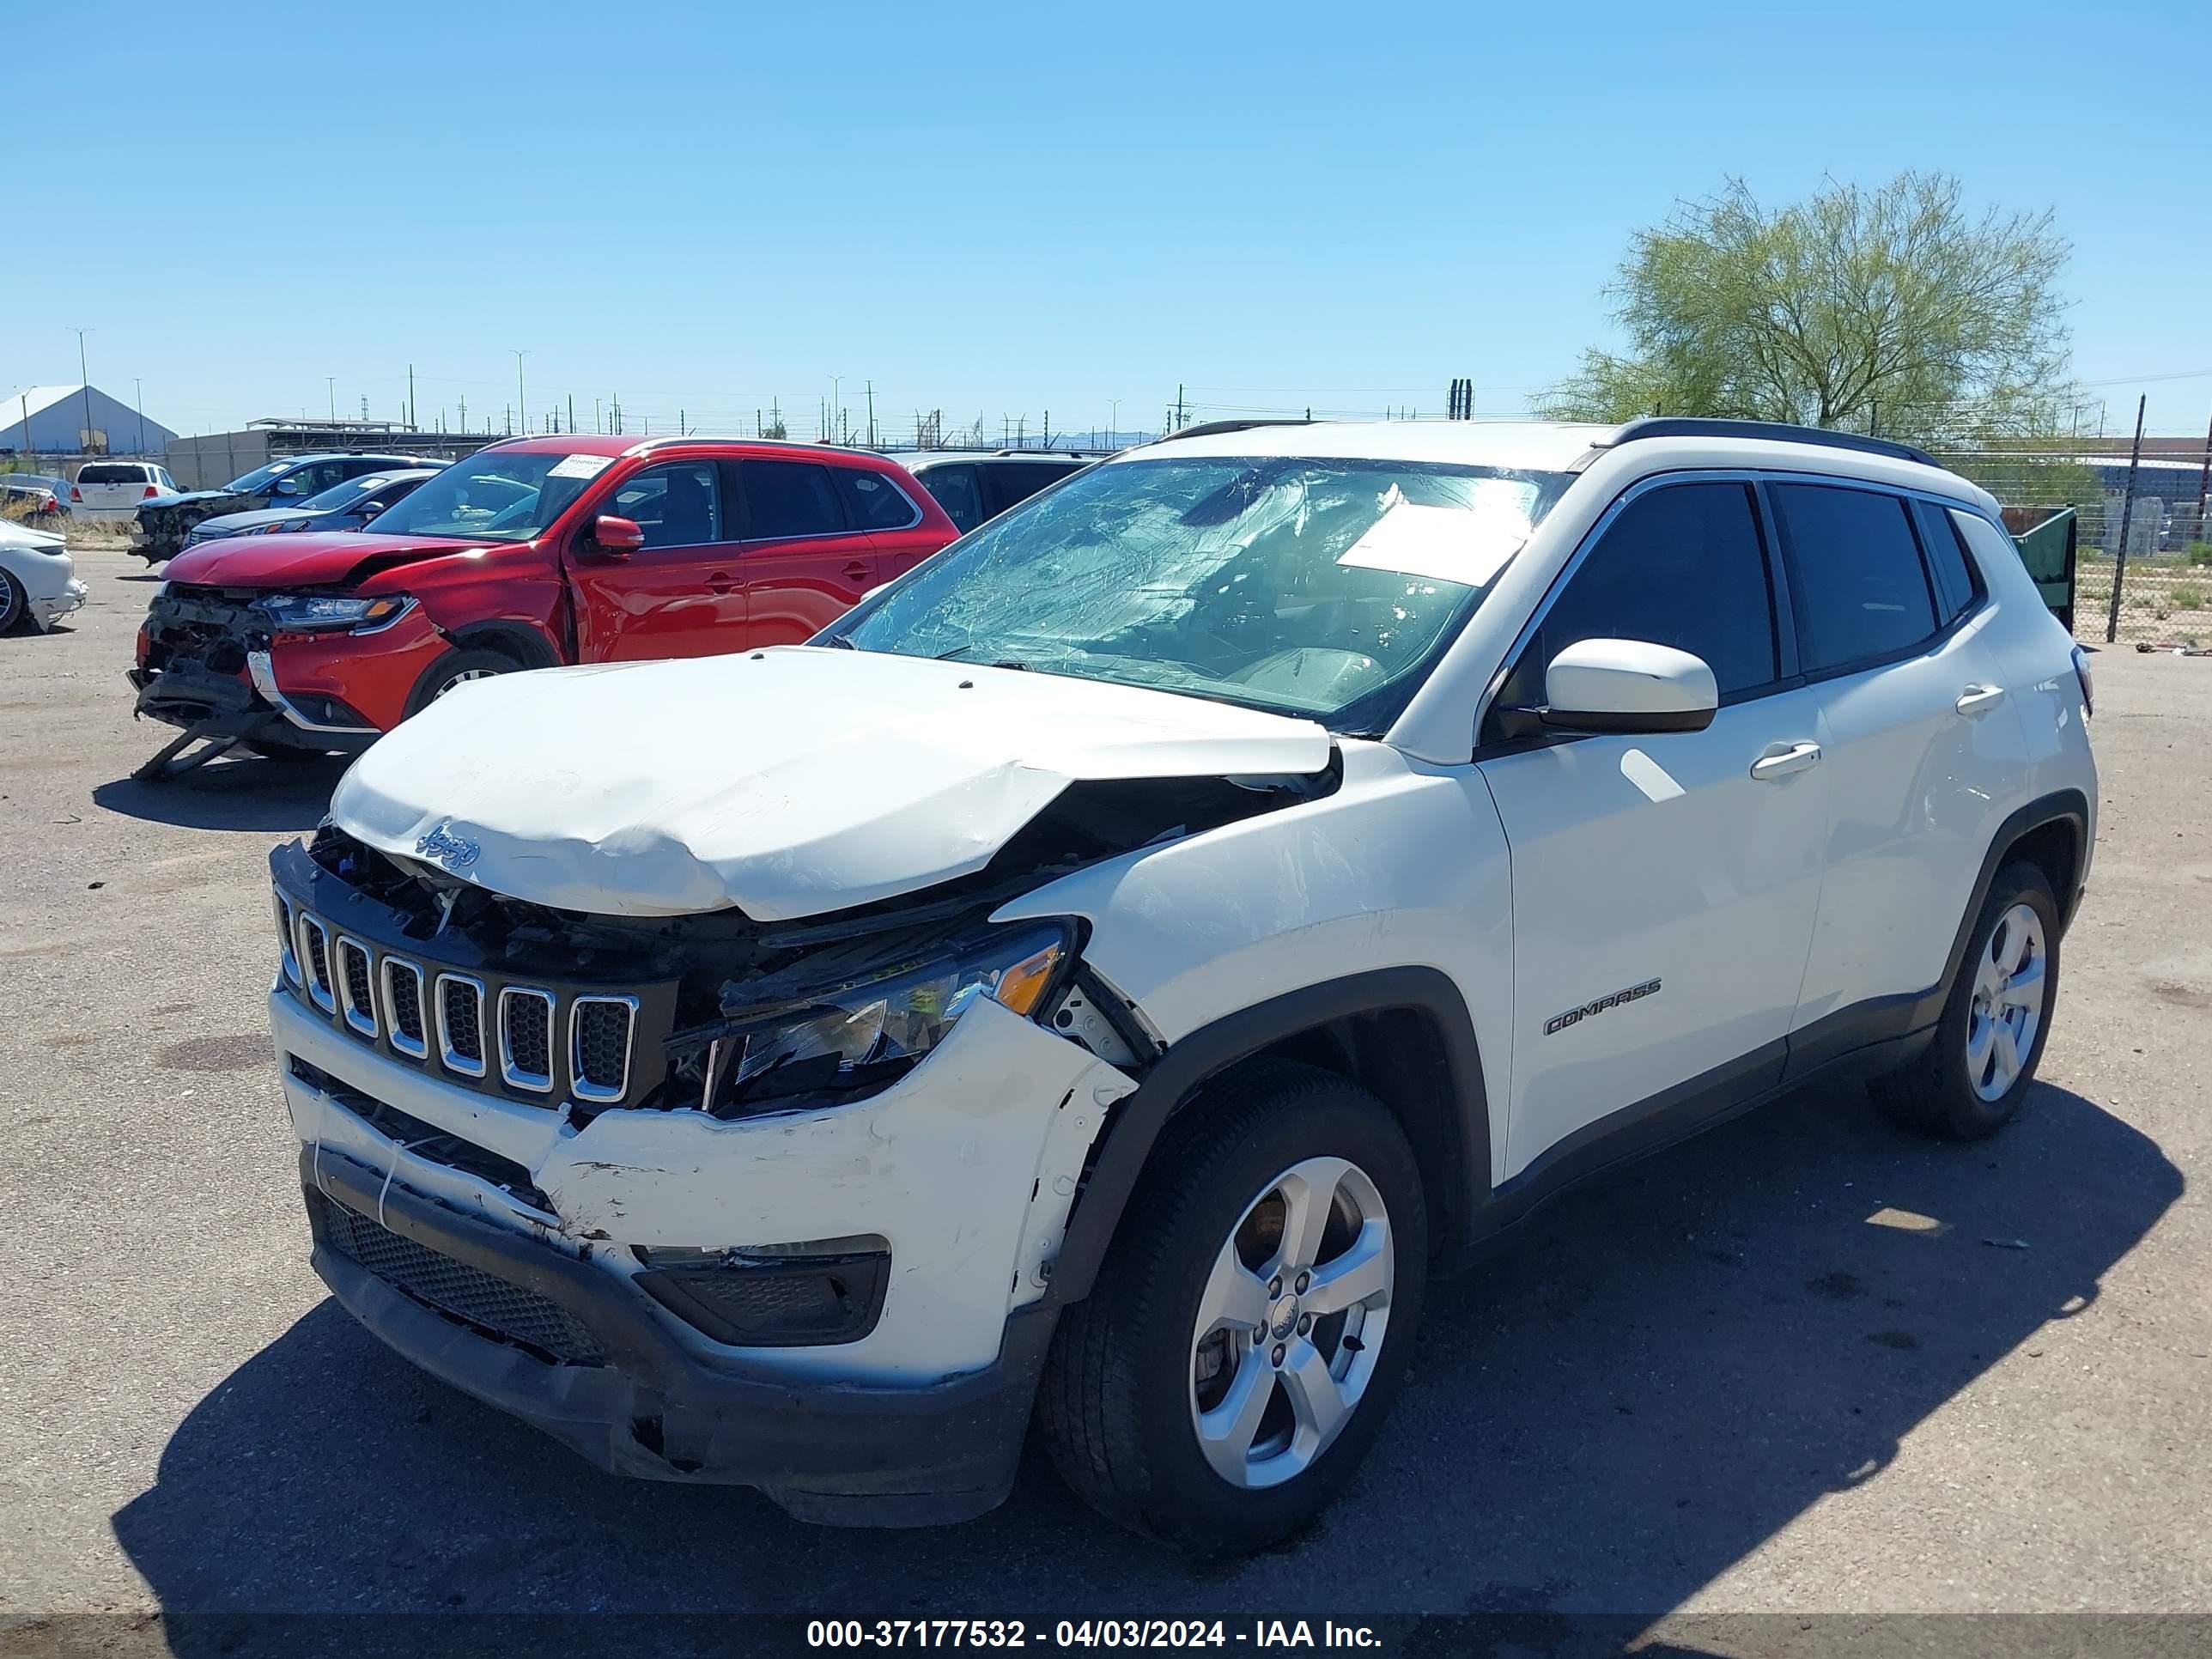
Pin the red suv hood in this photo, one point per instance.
(301, 561)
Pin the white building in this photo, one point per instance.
(76, 420)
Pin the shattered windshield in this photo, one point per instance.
(1317, 587)
(496, 495)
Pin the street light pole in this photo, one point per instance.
(330, 383)
(138, 402)
(521, 408)
(84, 385)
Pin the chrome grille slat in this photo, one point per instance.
(357, 986)
(460, 1024)
(402, 1007)
(287, 937)
(315, 963)
(601, 1030)
(526, 1039)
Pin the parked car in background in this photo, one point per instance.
(349, 506)
(33, 497)
(974, 486)
(161, 525)
(112, 490)
(38, 578)
(534, 552)
(1081, 996)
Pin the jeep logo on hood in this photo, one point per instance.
(455, 852)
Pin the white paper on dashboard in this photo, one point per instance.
(1443, 544)
(581, 466)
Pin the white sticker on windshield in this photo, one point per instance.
(1443, 544)
(581, 466)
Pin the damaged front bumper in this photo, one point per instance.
(49, 609)
(509, 1248)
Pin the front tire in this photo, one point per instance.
(458, 667)
(1253, 1321)
(1969, 1081)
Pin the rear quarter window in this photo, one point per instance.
(1858, 586)
(872, 501)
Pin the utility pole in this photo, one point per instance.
(1113, 422)
(572, 411)
(331, 385)
(464, 404)
(521, 405)
(410, 397)
(84, 384)
(836, 406)
(2127, 513)
(1178, 421)
(871, 413)
(138, 402)
(2203, 479)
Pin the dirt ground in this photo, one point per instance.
(1709, 1386)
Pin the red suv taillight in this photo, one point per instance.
(2088, 682)
(76, 495)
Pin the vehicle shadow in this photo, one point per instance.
(1664, 1371)
(243, 794)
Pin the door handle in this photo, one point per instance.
(855, 571)
(719, 582)
(1797, 757)
(1979, 699)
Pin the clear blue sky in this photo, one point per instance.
(1012, 210)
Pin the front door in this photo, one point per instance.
(1664, 885)
(679, 595)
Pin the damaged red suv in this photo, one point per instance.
(529, 553)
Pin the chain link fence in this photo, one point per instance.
(2164, 583)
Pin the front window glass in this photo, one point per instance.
(679, 505)
(1318, 588)
(496, 495)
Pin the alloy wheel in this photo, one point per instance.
(2009, 992)
(1290, 1322)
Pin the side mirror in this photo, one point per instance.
(1627, 686)
(285, 486)
(617, 538)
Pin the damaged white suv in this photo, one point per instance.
(1102, 975)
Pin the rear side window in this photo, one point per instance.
(1857, 583)
(957, 490)
(790, 498)
(1016, 481)
(873, 501)
(1947, 559)
(1681, 566)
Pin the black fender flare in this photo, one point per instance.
(1208, 1052)
(2069, 807)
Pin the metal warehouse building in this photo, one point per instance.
(77, 420)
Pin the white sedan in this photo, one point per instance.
(37, 577)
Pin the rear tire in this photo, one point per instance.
(458, 667)
(1969, 1081)
(1199, 1396)
(12, 602)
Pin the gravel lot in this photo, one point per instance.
(1709, 1386)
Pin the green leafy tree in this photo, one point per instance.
(1895, 309)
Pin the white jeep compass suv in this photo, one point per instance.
(1100, 977)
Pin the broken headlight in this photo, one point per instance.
(867, 1033)
(315, 613)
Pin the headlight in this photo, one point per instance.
(868, 1032)
(316, 613)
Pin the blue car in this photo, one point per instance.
(158, 530)
(349, 506)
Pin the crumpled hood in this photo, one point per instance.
(304, 559)
(787, 782)
(191, 498)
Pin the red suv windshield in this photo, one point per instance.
(497, 494)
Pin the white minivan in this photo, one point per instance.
(112, 490)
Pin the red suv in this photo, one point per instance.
(531, 553)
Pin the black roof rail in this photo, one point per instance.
(1780, 432)
(1208, 428)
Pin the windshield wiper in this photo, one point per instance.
(961, 650)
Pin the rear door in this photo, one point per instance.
(1664, 885)
(1916, 725)
(889, 509)
(678, 596)
(804, 563)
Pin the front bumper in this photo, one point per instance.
(828, 1452)
(49, 609)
